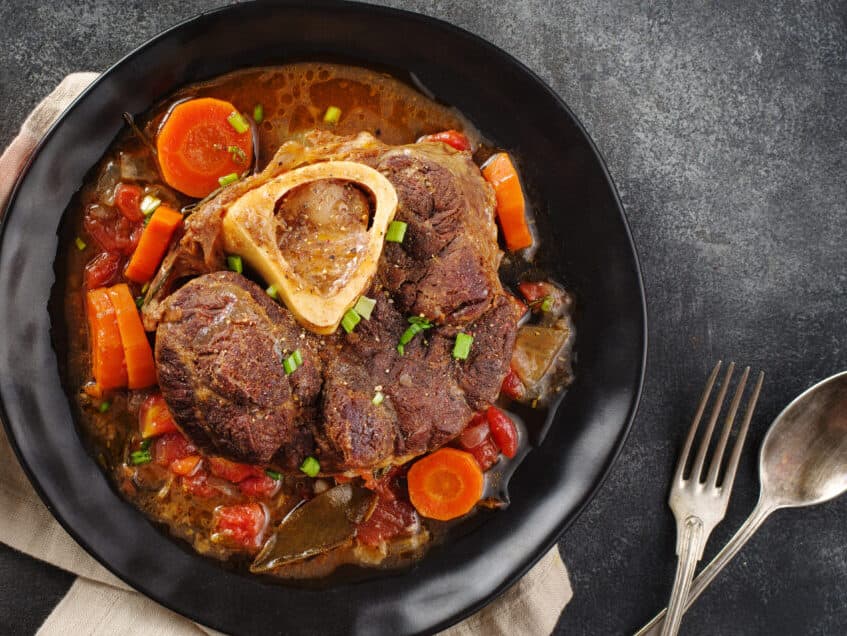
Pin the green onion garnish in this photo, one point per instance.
(332, 115)
(140, 457)
(145, 444)
(104, 406)
(547, 304)
(462, 348)
(235, 264)
(139, 301)
(237, 121)
(292, 362)
(396, 232)
(238, 155)
(149, 204)
(364, 307)
(225, 180)
(310, 466)
(350, 320)
(416, 326)
(273, 474)
(272, 292)
(258, 113)
(145, 287)
(378, 398)
(80, 244)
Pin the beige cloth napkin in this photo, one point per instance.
(99, 603)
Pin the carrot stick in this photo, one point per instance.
(107, 355)
(153, 244)
(511, 207)
(446, 484)
(201, 141)
(140, 369)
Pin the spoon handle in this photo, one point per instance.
(702, 581)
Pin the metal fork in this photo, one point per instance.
(698, 502)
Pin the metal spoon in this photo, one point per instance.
(803, 461)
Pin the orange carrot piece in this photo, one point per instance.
(446, 484)
(154, 417)
(197, 145)
(511, 207)
(107, 354)
(140, 370)
(153, 244)
(186, 465)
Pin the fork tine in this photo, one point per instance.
(732, 465)
(697, 467)
(695, 423)
(717, 458)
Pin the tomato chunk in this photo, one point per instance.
(503, 430)
(389, 519)
(170, 447)
(513, 386)
(198, 485)
(259, 486)
(452, 138)
(186, 465)
(128, 201)
(111, 230)
(486, 454)
(240, 526)
(475, 432)
(102, 270)
(154, 418)
(232, 471)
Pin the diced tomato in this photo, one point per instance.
(259, 486)
(198, 485)
(154, 418)
(170, 447)
(475, 432)
(128, 201)
(452, 138)
(186, 465)
(535, 291)
(513, 386)
(389, 519)
(518, 305)
(232, 471)
(102, 270)
(388, 486)
(503, 430)
(111, 230)
(486, 454)
(239, 526)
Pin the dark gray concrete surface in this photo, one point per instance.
(725, 127)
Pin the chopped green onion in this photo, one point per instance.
(238, 155)
(273, 474)
(272, 292)
(140, 457)
(258, 113)
(237, 121)
(145, 444)
(149, 204)
(292, 362)
(225, 180)
(80, 244)
(235, 264)
(416, 326)
(462, 348)
(332, 115)
(350, 320)
(104, 406)
(378, 398)
(310, 466)
(139, 301)
(364, 307)
(396, 232)
(547, 304)
(145, 287)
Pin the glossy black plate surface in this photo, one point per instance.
(578, 211)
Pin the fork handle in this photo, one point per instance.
(748, 529)
(690, 549)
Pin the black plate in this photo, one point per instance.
(578, 210)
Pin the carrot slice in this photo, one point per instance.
(140, 369)
(511, 207)
(446, 484)
(153, 244)
(186, 465)
(197, 145)
(107, 355)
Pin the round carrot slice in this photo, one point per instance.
(201, 141)
(446, 484)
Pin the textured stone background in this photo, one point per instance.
(725, 127)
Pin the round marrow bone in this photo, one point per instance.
(248, 230)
